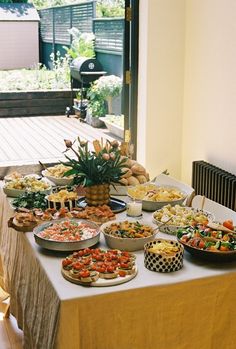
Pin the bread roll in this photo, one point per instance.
(138, 169)
(127, 172)
(123, 181)
(141, 178)
(147, 176)
(132, 181)
(131, 163)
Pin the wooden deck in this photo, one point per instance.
(27, 140)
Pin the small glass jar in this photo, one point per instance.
(134, 208)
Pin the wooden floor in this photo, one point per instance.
(26, 140)
(11, 337)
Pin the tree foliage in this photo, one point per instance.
(110, 8)
(104, 8)
(13, 1)
(39, 4)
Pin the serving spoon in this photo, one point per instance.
(217, 226)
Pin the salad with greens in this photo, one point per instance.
(31, 200)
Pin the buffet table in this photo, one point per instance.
(190, 308)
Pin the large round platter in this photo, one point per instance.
(99, 267)
(116, 205)
(65, 245)
(101, 282)
(123, 243)
(171, 228)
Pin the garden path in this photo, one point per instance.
(27, 140)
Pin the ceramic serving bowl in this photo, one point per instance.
(155, 202)
(60, 181)
(14, 193)
(191, 243)
(126, 243)
(170, 219)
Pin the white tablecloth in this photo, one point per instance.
(190, 308)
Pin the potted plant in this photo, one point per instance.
(100, 96)
(95, 169)
(96, 106)
(109, 86)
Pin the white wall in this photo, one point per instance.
(209, 125)
(19, 47)
(161, 75)
(187, 85)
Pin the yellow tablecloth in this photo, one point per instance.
(191, 308)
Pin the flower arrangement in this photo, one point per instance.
(109, 86)
(103, 165)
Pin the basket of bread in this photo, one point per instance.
(133, 174)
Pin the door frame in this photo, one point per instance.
(130, 71)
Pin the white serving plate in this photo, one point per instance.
(65, 245)
(63, 181)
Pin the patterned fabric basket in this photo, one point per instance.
(161, 261)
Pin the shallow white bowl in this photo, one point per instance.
(63, 181)
(156, 205)
(173, 229)
(126, 244)
(17, 192)
(151, 205)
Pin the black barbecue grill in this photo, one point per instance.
(83, 72)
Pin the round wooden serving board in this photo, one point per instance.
(100, 282)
